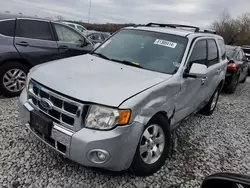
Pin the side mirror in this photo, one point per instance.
(228, 180)
(96, 45)
(197, 71)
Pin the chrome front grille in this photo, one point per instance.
(64, 111)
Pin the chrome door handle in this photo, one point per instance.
(203, 80)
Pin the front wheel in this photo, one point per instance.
(153, 147)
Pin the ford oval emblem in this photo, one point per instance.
(46, 104)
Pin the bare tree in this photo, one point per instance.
(234, 31)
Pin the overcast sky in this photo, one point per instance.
(195, 12)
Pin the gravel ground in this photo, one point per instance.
(205, 145)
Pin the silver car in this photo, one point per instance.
(116, 107)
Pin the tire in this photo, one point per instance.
(244, 80)
(231, 87)
(15, 72)
(211, 105)
(141, 168)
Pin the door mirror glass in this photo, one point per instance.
(96, 45)
(228, 180)
(197, 71)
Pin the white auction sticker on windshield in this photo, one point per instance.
(165, 43)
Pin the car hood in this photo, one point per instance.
(93, 79)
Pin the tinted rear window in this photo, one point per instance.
(222, 48)
(7, 28)
(34, 29)
(212, 52)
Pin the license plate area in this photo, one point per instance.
(41, 123)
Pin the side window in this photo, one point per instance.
(80, 28)
(212, 53)
(105, 36)
(238, 56)
(71, 25)
(222, 48)
(96, 37)
(34, 29)
(66, 34)
(199, 53)
(7, 28)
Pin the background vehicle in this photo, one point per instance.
(26, 42)
(132, 95)
(97, 37)
(77, 27)
(227, 180)
(246, 50)
(237, 68)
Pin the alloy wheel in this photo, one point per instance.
(14, 80)
(152, 144)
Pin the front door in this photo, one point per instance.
(70, 42)
(192, 90)
(35, 42)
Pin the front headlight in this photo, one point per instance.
(104, 118)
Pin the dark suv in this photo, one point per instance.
(26, 42)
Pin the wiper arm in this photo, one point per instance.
(127, 63)
(101, 55)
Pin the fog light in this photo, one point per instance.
(98, 156)
(101, 156)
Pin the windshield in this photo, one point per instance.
(159, 52)
(247, 51)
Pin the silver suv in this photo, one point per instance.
(116, 107)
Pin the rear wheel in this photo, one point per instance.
(231, 87)
(209, 108)
(153, 147)
(12, 78)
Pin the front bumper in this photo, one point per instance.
(118, 145)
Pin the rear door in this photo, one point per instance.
(242, 63)
(216, 67)
(70, 42)
(35, 42)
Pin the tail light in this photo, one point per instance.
(231, 65)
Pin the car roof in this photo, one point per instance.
(175, 31)
(16, 16)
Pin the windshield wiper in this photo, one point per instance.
(127, 63)
(101, 55)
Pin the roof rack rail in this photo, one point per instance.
(196, 29)
(209, 31)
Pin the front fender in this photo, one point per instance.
(160, 98)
